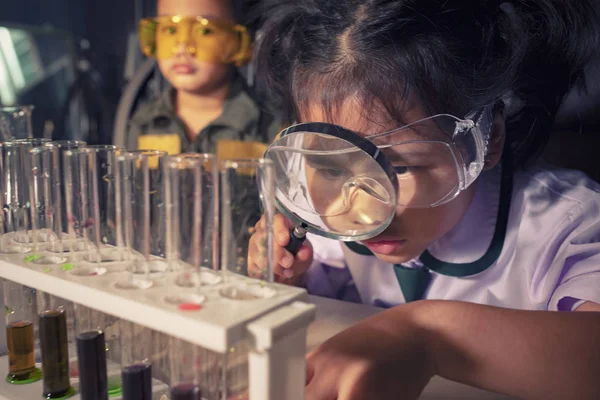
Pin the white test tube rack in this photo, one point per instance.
(276, 326)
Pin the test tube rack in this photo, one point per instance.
(275, 325)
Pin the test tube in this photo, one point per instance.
(160, 357)
(184, 367)
(103, 198)
(20, 305)
(61, 218)
(91, 354)
(88, 320)
(91, 208)
(191, 201)
(45, 198)
(247, 193)
(136, 367)
(235, 371)
(140, 214)
(54, 345)
(16, 201)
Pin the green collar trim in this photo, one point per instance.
(495, 248)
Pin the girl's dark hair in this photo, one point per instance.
(451, 55)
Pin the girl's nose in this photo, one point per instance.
(366, 211)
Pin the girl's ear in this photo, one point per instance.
(497, 138)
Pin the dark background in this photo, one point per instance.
(106, 25)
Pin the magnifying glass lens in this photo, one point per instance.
(335, 184)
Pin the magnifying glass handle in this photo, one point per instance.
(297, 238)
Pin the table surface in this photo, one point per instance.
(334, 316)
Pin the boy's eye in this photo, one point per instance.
(204, 31)
(170, 30)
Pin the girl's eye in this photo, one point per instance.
(401, 170)
(331, 172)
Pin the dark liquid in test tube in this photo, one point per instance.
(19, 340)
(137, 382)
(55, 354)
(91, 356)
(186, 392)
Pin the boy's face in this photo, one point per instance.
(412, 230)
(183, 70)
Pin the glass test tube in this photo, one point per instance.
(54, 345)
(61, 217)
(96, 186)
(91, 354)
(105, 234)
(160, 357)
(15, 122)
(136, 356)
(20, 314)
(235, 371)
(247, 193)
(191, 201)
(91, 205)
(140, 214)
(16, 199)
(45, 199)
(88, 320)
(184, 367)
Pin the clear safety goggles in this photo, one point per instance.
(205, 39)
(342, 185)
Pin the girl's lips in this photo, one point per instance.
(384, 246)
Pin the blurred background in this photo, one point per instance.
(71, 59)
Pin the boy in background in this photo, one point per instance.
(208, 107)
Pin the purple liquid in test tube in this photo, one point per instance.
(137, 382)
(186, 391)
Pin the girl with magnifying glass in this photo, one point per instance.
(412, 168)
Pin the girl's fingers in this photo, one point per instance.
(281, 230)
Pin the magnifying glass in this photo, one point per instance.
(332, 182)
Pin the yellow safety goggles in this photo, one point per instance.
(205, 39)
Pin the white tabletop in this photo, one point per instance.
(334, 316)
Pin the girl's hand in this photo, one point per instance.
(375, 359)
(287, 269)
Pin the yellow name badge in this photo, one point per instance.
(233, 149)
(169, 142)
(228, 149)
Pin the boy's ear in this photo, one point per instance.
(497, 138)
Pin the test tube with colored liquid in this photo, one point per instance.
(54, 346)
(136, 367)
(20, 306)
(185, 370)
(88, 321)
(91, 353)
